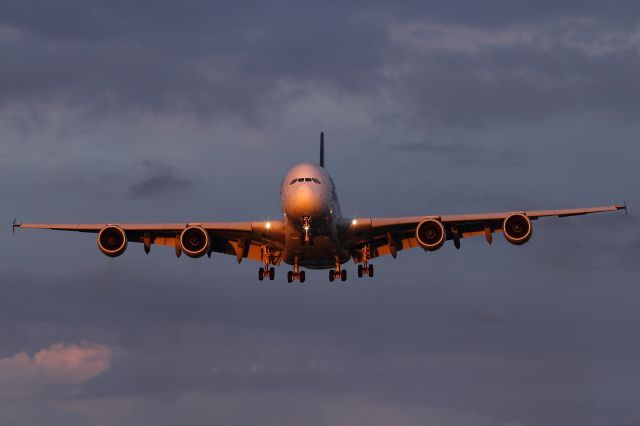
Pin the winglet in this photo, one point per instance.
(15, 225)
(623, 207)
(322, 149)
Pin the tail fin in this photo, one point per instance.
(322, 149)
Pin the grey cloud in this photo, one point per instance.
(247, 62)
(157, 180)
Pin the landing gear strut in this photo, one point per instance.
(306, 227)
(337, 273)
(296, 274)
(365, 268)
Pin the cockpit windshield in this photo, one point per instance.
(305, 180)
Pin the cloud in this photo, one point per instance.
(255, 61)
(60, 363)
(158, 179)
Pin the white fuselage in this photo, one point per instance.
(311, 209)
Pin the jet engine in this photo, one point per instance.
(431, 234)
(112, 241)
(517, 228)
(194, 241)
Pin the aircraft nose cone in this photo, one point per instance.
(307, 201)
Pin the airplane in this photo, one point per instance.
(313, 234)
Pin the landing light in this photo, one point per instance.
(354, 222)
(306, 227)
(267, 225)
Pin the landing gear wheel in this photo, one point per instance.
(301, 278)
(343, 275)
(332, 275)
(370, 270)
(261, 274)
(272, 273)
(290, 276)
(359, 271)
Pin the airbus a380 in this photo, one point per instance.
(313, 233)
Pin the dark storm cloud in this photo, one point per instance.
(245, 61)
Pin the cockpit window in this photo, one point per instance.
(301, 180)
(293, 181)
(307, 179)
(316, 180)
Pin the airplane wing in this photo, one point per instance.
(240, 239)
(382, 236)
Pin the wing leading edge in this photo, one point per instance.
(382, 236)
(240, 239)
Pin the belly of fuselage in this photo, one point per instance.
(321, 254)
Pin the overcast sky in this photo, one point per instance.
(114, 111)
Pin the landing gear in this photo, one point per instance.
(296, 274)
(365, 268)
(267, 258)
(337, 273)
(362, 270)
(306, 227)
(266, 273)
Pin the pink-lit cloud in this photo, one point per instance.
(60, 363)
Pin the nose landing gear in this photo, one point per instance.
(306, 227)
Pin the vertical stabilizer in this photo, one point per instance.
(321, 149)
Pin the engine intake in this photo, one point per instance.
(112, 241)
(194, 241)
(431, 234)
(517, 228)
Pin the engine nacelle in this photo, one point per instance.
(431, 234)
(112, 241)
(517, 228)
(195, 241)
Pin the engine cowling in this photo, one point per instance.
(194, 241)
(431, 234)
(112, 241)
(517, 228)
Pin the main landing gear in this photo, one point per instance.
(266, 273)
(337, 273)
(296, 274)
(365, 268)
(267, 259)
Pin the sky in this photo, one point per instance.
(117, 111)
